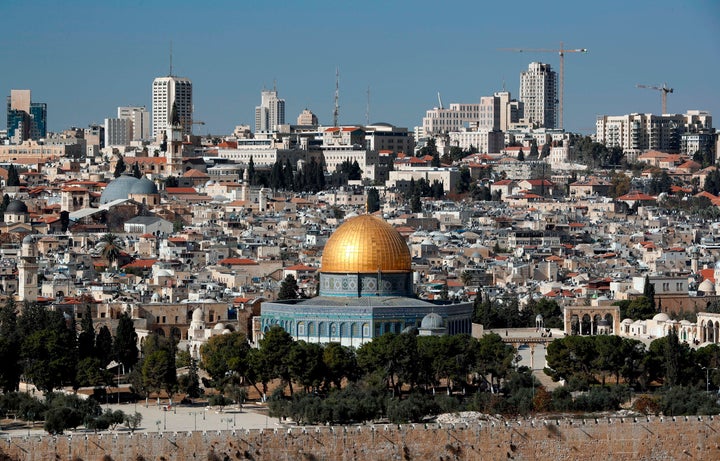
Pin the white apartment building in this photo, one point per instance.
(140, 118)
(635, 133)
(270, 113)
(539, 93)
(458, 116)
(167, 91)
(484, 140)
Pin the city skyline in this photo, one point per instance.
(85, 66)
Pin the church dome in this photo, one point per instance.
(118, 188)
(366, 244)
(16, 206)
(144, 187)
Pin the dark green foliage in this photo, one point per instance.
(125, 344)
(57, 420)
(288, 288)
(10, 347)
(104, 345)
(13, 179)
(120, 167)
(48, 349)
(688, 401)
(373, 200)
(136, 170)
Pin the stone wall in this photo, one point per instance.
(590, 439)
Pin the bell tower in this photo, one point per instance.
(28, 271)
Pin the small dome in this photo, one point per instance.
(155, 298)
(163, 273)
(118, 188)
(539, 318)
(661, 317)
(144, 187)
(627, 322)
(707, 286)
(28, 240)
(432, 321)
(197, 315)
(219, 327)
(16, 206)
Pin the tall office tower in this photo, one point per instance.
(140, 119)
(167, 91)
(118, 131)
(538, 90)
(270, 113)
(25, 119)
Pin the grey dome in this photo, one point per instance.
(144, 187)
(119, 188)
(16, 206)
(431, 321)
(28, 240)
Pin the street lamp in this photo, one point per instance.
(707, 377)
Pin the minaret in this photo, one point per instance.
(27, 271)
(245, 186)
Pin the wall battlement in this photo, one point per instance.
(523, 439)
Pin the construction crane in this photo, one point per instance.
(664, 89)
(561, 51)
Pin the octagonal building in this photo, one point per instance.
(366, 290)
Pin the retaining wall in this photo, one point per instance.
(652, 438)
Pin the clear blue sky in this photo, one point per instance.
(86, 58)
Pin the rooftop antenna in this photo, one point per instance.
(440, 101)
(171, 74)
(336, 111)
(503, 85)
(275, 85)
(367, 108)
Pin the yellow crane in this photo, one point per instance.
(664, 89)
(561, 51)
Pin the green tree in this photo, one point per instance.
(373, 200)
(435, 162)
(171, 181)
(415, 203)
(340, 363)
(189, 383)
(136, 170)
(226, 358)
(288, 288)
(275, 347)
(13, 176)
(120, 167)
(158, 365)
(521, 155)
(125, 344)
(252, 174)
(649, 291)
(104, 346)
(545, 152)
(90, 372)
(307, 366)
(571, 358)
(111, 247)
(534, 153)
(49, 349)
(493, 357)
(10, 344)
(86, 338)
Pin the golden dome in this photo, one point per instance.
(366, 244)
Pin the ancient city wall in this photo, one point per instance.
(651, 438)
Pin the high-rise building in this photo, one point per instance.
(270, 113)
(140, 119)
(118, 131)
(307, 118)
(25, 119)
(166, 92)
(539, 93)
